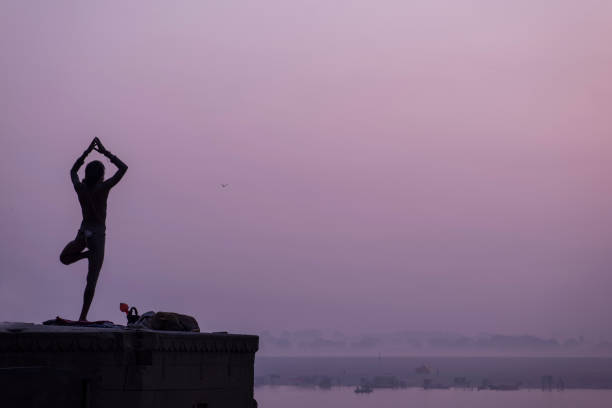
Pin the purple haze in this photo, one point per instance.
(427, 165)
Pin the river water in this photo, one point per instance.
(338, 397)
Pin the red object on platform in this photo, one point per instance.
(123, 307)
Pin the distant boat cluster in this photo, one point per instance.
(363, 389)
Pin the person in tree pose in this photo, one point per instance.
(92, 192)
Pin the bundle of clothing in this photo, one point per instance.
(166, 321)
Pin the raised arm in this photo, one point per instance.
(121, 166)
(78, 163)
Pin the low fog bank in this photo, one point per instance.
(442, 372)
(411, 343)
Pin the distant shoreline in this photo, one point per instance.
(532, 372)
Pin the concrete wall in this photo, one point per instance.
(42, 366)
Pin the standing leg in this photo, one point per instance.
(72, 252)
(96, 257)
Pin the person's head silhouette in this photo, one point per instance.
(94, 173)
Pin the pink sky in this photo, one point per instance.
(391, 165)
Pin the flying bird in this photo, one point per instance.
(224, 185)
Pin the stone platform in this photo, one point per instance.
(50, 366)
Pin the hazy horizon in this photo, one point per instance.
(426, 165)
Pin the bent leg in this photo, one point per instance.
(72, 252)
(96, 257)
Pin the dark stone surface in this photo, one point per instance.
(44, 366)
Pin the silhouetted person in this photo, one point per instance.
(92, 193)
